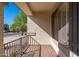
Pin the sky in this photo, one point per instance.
(10, 12)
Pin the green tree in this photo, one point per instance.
(12, 27)
(19, 23)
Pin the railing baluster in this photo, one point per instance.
(13, 48)
(27, 40)
(40, 51)
(30, 40)
(21, 46)
(7, 49)
(4, 51)
(10, 48)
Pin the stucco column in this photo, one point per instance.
(1, 28)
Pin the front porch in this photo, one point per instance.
(50, 23)
(39, 22)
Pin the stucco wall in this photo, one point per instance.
(40, 23)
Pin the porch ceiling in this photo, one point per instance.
(42, 6)
(31, 7)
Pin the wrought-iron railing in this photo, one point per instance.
(21, 47)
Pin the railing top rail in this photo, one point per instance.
(14, 40)
(21, 38)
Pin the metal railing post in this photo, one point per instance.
(7, 49)
(21, 46)
(40, 51)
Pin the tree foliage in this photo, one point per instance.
(19, 23)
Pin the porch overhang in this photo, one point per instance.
(24, 7)
(30, 8)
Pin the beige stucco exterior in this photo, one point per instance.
(40, 23)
